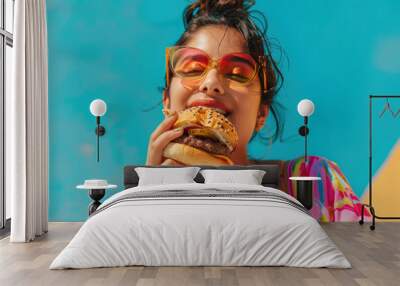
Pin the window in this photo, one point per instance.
(6, 56)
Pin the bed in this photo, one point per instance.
(199, 224)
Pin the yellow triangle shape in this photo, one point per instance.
(386, 186)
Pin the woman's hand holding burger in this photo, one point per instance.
(160, 138)
(195, 136)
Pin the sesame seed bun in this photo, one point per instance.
(214, 121)
(209, 127)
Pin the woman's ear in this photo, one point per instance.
(262, 116)
(165, 99)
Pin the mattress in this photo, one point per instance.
(201, 225)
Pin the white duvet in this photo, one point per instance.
(200, 231)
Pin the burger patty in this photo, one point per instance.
(206, 144)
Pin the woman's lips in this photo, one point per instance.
(210, 103)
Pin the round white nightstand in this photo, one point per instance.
(97, 189)
(304, 190)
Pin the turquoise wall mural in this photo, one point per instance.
(337, 53)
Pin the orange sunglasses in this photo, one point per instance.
(193, 64)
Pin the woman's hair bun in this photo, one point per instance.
(210, 5)
(216, 8)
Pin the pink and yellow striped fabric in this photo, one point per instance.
(333, 197)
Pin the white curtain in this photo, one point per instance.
(27, 124)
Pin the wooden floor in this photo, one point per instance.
(375, 257)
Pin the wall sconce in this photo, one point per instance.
(305, 109)
(98, 108)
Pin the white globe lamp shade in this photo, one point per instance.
(305, 107)
(98, 107)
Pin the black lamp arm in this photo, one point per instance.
(303, 131)
(100, 131)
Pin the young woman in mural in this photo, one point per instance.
(222, 60)
(218, 35)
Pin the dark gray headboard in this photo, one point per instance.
(271, 177)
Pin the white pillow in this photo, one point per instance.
(162, 176)
(248, 177)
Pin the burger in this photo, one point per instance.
(208, 138)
